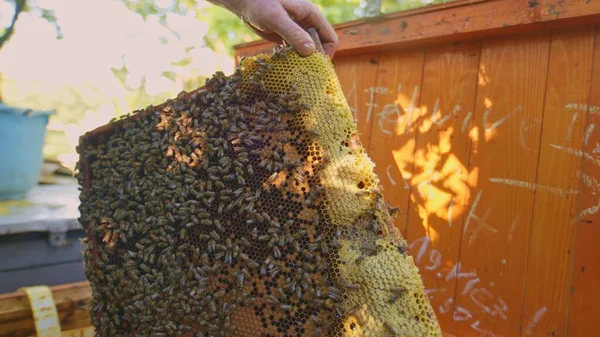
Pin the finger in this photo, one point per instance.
(330, 49)
(269, 36)
(308, 15)
(293, 33)
(272, 37)
(314, 35)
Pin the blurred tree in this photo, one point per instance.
(227, 30)
(86, 105)
(7, 32)
(224, 28)
(372, 8)
(20, 7)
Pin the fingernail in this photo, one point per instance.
(310, 47)
(329, 51)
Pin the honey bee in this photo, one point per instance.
(390, 328)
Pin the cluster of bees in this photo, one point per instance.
(206, 216)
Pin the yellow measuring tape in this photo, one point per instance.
(45, 315)
(44, 311)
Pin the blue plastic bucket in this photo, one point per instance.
(22, 135)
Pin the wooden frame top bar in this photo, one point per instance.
(453, 21)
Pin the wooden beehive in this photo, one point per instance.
(72, 304)
(482, 119)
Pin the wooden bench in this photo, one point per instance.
(72, 304)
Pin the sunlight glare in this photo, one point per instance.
(403, 158)
(410, 111)
(487, 103)
(482, 76)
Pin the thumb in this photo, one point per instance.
(294, 35)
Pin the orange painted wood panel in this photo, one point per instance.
(394, 109)
(356, 74)
(453, 21)
(521, 256)
(557, 184)
(584, 300)
(493, 259)
(440, 169)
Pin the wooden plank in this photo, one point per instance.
(557, 185)
(394, 109)
(45, 275)
(440, 168)
(72, 302)
(456, 20)
(505, 134)
(356, 74)
(584, 301)
(81, 332)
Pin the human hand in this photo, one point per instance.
(276, 20)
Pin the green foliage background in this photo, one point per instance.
(225, 30)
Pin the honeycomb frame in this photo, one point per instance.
(349, 276)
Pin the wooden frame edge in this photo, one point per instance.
(451, 22)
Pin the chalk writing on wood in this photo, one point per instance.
(393, 114)
(435, 290)
(588, 180)
(578, 153)
(371, 103)
(535, 320)
(588, 211)
(524, 129)
(412, 107)
(583, 107)
(429, 258)
(438, 119)
(353, 96)
(461, 314)
(500, 121)
(532, 186)
(469, 285)
(569, 131)
(476, 327)
(592, 157)
(446, 306)
(588, 133)
(465, 123)
(511, 230)
(390, 114)
(388, 171)
(596, 161)
(389, 175)
(480, 222)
